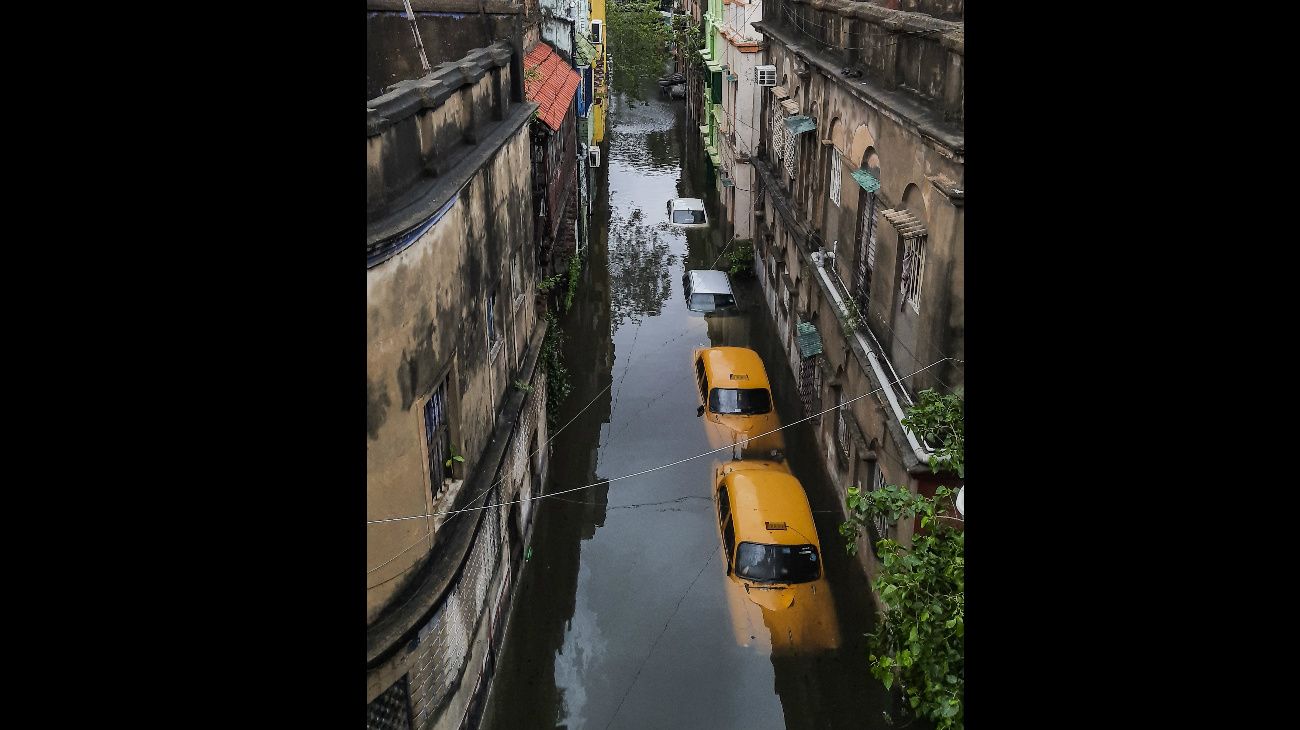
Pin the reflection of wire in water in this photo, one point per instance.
(712, 552)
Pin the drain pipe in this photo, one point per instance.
(922, 453)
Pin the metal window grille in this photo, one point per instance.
(438, 437)
(836, 174)
(878, 520)
(492, 317)
(866, 252)
(778, 139)
(810, 385)
(841, 425)
(913, 270)
(392, 709)
(791, 150)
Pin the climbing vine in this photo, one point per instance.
(919, 641)
(741, 258)
(558, 384)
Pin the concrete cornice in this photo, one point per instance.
(947, 138)
(491, 7)
(406, 98)
(430, 194)
(800, 233)
(447, 558)
(952, 32)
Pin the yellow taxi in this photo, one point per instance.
(777, 591)
(736, 402)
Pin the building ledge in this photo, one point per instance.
(800, 233)
(429, 587)
(910, 111)
(417, 209)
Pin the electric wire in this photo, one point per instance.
(652, 469)
(481, 494)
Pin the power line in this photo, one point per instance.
(481, 494)
(656, 468)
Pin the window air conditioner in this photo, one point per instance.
(765, 75)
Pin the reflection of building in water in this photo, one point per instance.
(525, 692)
(728, 330)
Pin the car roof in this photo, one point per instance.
(721, 363)
(709, 281)
(761, 495)
(688, 203)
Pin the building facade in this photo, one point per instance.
(456, 401)
(858, 225)
(552, 84)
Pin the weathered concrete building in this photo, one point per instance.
(456, 403)
(858, 223)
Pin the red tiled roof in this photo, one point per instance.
(552, 85)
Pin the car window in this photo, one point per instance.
(742, 401)
(777, 563)
(688, 216)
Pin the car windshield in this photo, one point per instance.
(777, 563)
(710, 302)
(688, 216)
(745, 401)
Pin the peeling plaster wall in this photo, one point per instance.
(427, 310)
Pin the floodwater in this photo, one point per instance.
(621, 618)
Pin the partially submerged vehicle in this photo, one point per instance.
(777, 592)
(708, 291)
(736, 402)
(687, 213)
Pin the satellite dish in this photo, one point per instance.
(961, 493)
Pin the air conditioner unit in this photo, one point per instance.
(765, 75)
(593, 157)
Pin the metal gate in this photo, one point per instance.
(390, 710)
(438, 437)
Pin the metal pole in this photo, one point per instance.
(419, 44)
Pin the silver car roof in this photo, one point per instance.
(688, 203)
(705, 281)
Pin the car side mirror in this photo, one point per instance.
(699, 411)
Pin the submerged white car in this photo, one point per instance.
(687, 213)
(708, 291)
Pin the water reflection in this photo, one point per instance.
(621, 618)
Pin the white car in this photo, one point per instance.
(687, 213)
(708, 291)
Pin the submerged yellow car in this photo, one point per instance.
(736, 402)
(776, 589)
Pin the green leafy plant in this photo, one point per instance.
(939, 419)
(454, 457)
(741, 258)
(639, 35)
(525, 387)
(919, 641)
(558, 384)
(547, 284)
(575, 271)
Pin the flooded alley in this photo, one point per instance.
(621, 615)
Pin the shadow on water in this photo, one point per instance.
(620, 619)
